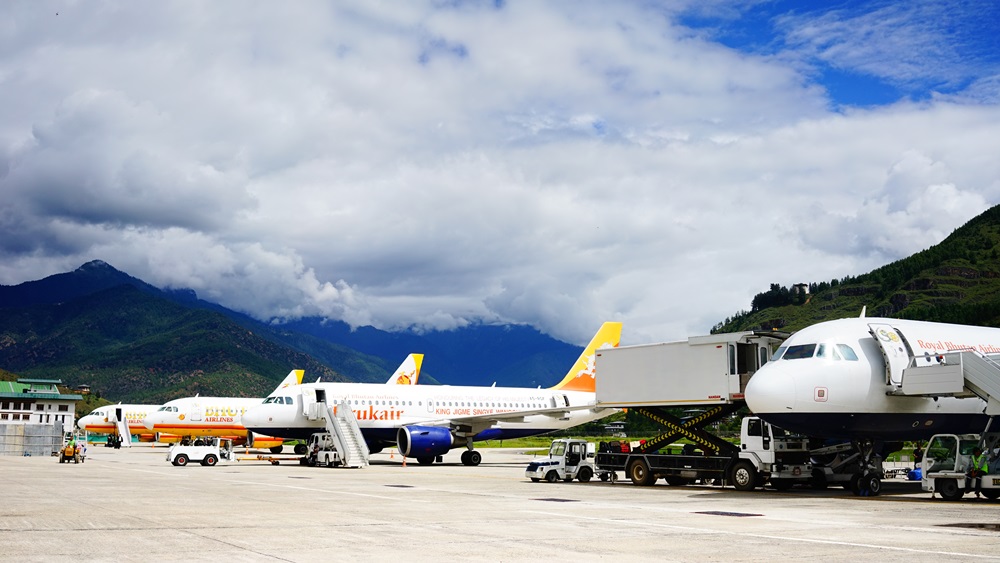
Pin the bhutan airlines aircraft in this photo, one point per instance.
(223, 416)
(193, 417)
(426, 421)
(102, 420)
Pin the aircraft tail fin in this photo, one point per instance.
(294, 377)
(408, 372)
(581, 376)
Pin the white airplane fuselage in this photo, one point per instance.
(831, 380)
(382, 409)
(101, 420)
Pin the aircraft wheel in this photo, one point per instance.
(744, 476)
(301, 449)
(855, 484)
(425, 460)
(870, 485)
(276, 449)
(475, 458)
(210, 460)
(465, 458)
(551, 476)
(181, 460)
(585, 475)
(949, 489)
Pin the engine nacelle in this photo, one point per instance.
(424, 441)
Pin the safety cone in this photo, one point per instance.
(404, 461)
(391, 455)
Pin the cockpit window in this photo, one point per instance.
(798, 352)
(847, 352)
(779, 353)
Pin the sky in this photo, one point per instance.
(430, 164)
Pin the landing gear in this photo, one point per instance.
(867, 482)
(471, 458)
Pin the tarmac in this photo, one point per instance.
(132, 505)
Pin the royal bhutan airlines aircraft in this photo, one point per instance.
(223, 416)
(844, 379)
(426, 421)
(840, 379)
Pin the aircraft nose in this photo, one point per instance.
(84, 421)
(771, 390)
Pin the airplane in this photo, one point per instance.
(195, 417)
(842, 379)
(102, 421)
(425, 422)
(222, 416)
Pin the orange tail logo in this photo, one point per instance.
(582, 376)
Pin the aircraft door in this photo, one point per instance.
(195, 411)
(118, 415)
(895, 351)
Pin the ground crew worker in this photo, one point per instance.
(978, 468)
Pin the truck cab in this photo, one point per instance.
(567, 460)
(947, 460)
(321, 450)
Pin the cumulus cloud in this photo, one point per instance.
(434, 165)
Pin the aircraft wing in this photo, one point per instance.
(475, 424)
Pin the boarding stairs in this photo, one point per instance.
(343, 427)
(958, 373)
(121, 427)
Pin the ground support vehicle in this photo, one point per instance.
(567, 460)
(766, 455)
(321, 450)
(948, 458)
(217, 449)
(68, 454)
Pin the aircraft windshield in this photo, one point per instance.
(829, 351)
(278, 401)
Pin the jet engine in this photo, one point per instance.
(424, 441)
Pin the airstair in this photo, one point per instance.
(960, 373)
(343, 428)
(121, 426)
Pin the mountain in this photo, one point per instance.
(956, 281)
(134, 342)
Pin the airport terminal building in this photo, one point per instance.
(34, 416)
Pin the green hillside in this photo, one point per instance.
(956, 281)
(133, 347)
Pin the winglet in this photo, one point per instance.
(581, 376)
(408, 372)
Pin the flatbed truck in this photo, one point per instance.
(766, 456)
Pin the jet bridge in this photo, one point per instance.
(703, 371)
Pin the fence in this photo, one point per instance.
(30, 439)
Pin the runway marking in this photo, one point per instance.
(619, 521)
